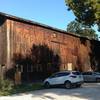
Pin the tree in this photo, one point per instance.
(83, 30)
(86, 11)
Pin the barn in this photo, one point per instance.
(17, 35)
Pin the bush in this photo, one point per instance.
(8, 88)
(6, 85)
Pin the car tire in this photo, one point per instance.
(67, 84)
(47, 85)
(98, 80)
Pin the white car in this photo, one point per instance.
(66, 78)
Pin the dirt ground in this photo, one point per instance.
(89, 91)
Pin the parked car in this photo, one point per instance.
(91, 76)
(66, 78)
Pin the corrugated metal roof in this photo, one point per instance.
(39, 24)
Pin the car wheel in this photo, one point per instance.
(67, 84)
(47, 85)
(98, 80)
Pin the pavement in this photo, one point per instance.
(88, 91)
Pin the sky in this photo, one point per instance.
(50, 12)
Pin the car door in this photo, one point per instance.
(61, 77)
(91, 77)
(58, 78)
(88, 76)
(53, 79)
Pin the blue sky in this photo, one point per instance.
(50, 12)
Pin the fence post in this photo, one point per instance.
(2, 71)
(17, 76)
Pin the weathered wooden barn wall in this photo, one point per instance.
(71, 49)
(18, 35)
(3, 42)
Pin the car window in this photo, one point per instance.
(59, 74)
(96, 73)
(87, 73)
(63, 74)
(76, 73)
(54, 75)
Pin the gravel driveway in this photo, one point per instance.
(89, 91)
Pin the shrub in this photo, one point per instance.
(6, 85)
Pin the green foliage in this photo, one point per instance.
(20, 88)
(78, 28)
(5, 86)
(26, 87)
(86, 11)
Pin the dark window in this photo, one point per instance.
(54, 75)
(60, 74)
(96, 73)
(30, 68)
(76, 73)
(87, 73)
(63, 74)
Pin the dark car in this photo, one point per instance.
(91, 76)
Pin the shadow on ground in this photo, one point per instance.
(88, 91)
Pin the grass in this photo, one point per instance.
(22, 88)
